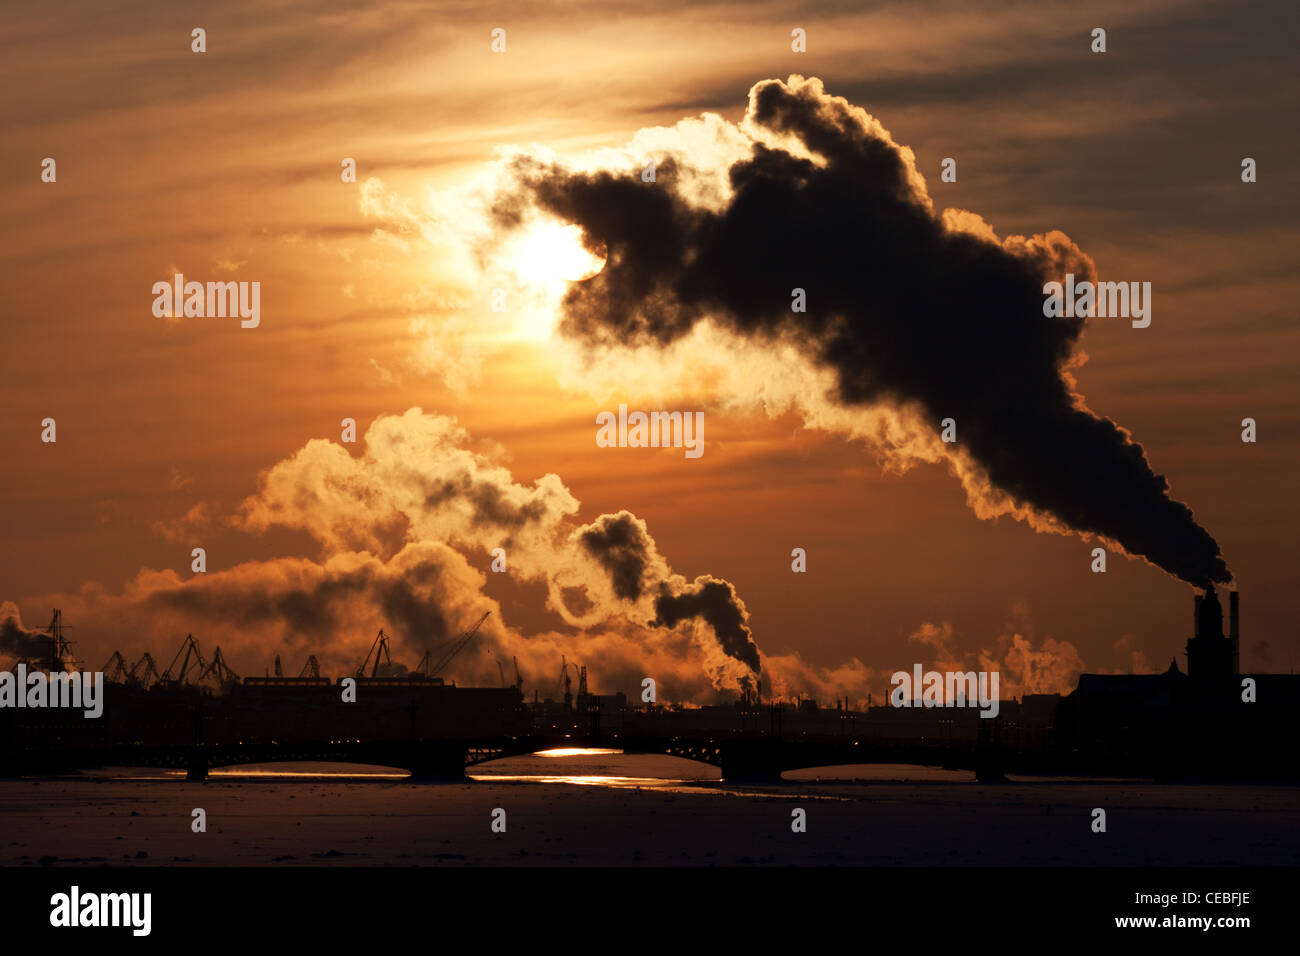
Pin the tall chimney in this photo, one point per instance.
(1196, 616)
(1233, 634)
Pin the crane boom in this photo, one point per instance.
(379, 649)
(459, 646)
(219, 669)
(150, 673)
(190, 648)
(116, 669)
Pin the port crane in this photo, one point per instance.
(377, 650)
(60, 647)
(189, 648)
(519, 681)
(311, 668)
(116, 669)
(150, 673)
(565, 682)
(459, 645)
(221, 670)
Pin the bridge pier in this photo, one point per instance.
(751, 762)
(988, 769)
(438, 763)
(197, 768)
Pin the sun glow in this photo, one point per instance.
(541, 259)
(549, 251)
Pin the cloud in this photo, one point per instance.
(178, 480)
(1138, 663)
(188, 526)
(416, 482)
(1053, 667)
(16, 641)
(397, 527)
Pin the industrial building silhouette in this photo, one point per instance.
(1211, 722)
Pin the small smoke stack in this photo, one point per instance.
(1196, 616)
(1233, 633)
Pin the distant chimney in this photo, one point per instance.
(1211, 656)
(1209, 615)
(1233, 634)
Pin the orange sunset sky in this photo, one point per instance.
(225, 166)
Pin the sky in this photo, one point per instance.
(477, 429)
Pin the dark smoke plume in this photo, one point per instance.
(620, 544)
(714, 601)
(903, 309)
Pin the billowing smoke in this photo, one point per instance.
(410, 595)
(417, 484)
(620, 543)
(716, 603)
(16, 641)
(397, 527)
(622, 546)
(1051, 668)
(925, 316)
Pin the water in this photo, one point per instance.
(576, 766)
(604, 807)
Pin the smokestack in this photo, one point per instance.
(1196, 616)
(1233, 634)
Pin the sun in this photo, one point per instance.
(542, 259)
(549, 251)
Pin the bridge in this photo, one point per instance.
(740, 760)
(436, 732)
